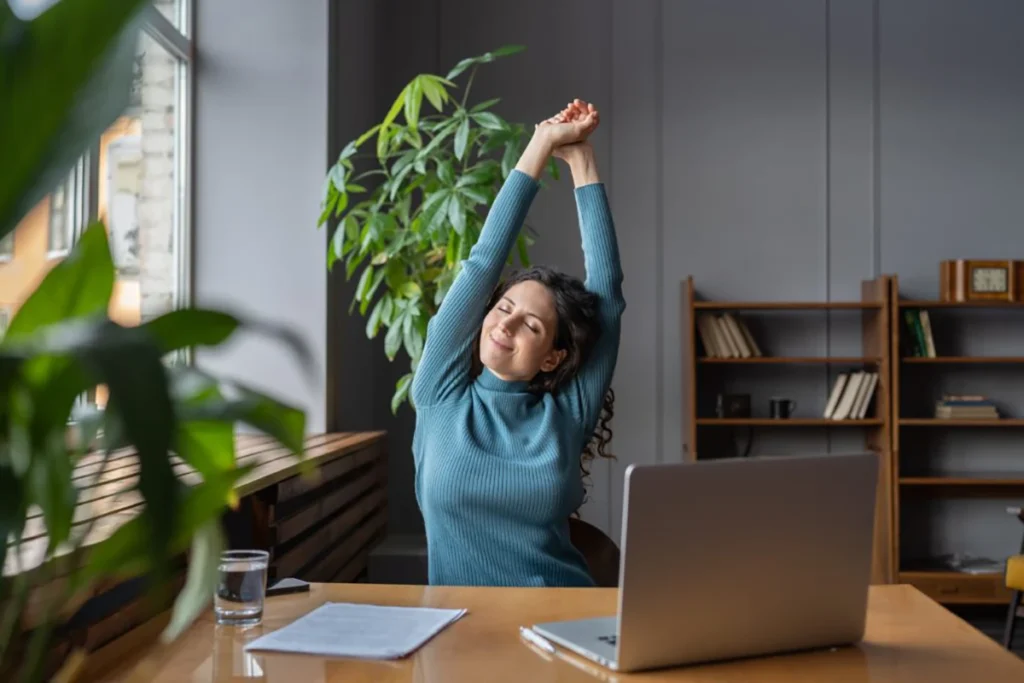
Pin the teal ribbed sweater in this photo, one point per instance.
(498, 468)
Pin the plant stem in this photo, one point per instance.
(469, 84)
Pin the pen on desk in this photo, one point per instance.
(531, 636)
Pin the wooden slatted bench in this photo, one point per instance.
(318, 528)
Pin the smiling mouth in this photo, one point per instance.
(503, 347)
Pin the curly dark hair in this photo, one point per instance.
(578, 331)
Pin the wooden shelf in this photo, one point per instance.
(786, 305)
(925, 303)
(944, 422)
(951, 587)
(792, 360)
(963, 360)
(863, 346)
(789, 422)
(1007, 479)
(917, 435)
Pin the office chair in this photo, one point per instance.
(600, 551)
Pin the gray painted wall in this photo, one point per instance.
(783, 150)
(260, 155)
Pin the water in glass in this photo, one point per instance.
(241, 585)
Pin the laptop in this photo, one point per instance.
(736, 558)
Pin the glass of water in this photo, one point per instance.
(241, 586)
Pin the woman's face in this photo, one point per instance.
(518, 335)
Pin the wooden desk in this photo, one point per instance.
(909, 638)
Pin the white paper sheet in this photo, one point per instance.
(342, 629)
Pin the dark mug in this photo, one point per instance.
(732, 405)
(781, 408)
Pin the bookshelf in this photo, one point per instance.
(728, 356)
(963, 466)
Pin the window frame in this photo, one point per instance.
(181, 46)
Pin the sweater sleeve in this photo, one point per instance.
(585, 395)
(444, 366)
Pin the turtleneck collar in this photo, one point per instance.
(488, 380)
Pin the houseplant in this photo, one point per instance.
(64, 78)
(431, 178)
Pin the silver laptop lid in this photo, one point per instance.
(740, 557)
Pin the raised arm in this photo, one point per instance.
(445, 364)
(604, 278)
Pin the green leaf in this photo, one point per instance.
(235, 402)
(77, 287)
(186, 328)
(401, 391)
(384, 131)
(353, 187)
(411, 336)
(12, 509)
(410, 290)
(129, 362)
(477, 177)
(349, 151)
(456, 215)
(438, 139)
(434, 204)
(207, 445)
(435, 92)
(437, 220)
(66, 77)
(460, 67)
(377, 279)
(373, 322)
(358, 142)
(476, 194)
(393, 339)
(485, 105)
(123, 555)
(413, 101)
(509, 159)
(508, 50)
(445, 171)
(489, 121)
(341, 205)
(364, 283)
(200, 582)
(50, 487)
(461, 137)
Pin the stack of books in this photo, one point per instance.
(726, 336)
(953, 407)
(851, 395)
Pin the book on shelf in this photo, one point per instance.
(726, 336)
(851, 395)
(953, 407)
(920, 343)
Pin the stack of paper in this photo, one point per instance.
(341, 629)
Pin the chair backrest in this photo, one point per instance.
(600, 551)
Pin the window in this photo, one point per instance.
(135, 178)
(61, 222)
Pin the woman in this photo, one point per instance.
(512, 382)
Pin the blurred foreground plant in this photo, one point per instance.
(65, 76)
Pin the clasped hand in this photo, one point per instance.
(567, 132)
